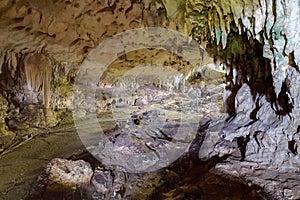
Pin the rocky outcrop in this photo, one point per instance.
(187, 178)
(257, 41)
(261, 151)
(7, 137)
(69, 179)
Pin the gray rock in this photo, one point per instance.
(68, 173)
(271, 157)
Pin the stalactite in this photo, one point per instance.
(38, 72)
(12, 62)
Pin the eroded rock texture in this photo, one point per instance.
(42, 45)
(187, 178)
(66, 31)
(256, 41)
(61, 178)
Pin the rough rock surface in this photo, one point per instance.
(256, 41)
(42, 46)
(6, 137)
(263, 151)
(64, 32)
(187, 178)
(68, 35)
(261, 131)
(69, 179)
(62, 177)
(155, 128)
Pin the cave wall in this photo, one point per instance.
(272, 24)
(257, 41)
(64, 32)
(43, 44)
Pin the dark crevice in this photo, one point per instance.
(246, 64)
(242, 145)
(292, 146)
(284, 102)
(285, 43)
(15, 20)
(292, 62)
(298, 129)
(9, 84)
(111, 8)
(255, 110)
(255, 135)
(129, 9)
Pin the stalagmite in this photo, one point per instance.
(38, 72)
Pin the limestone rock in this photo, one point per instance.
(68, 173)
(267, 147)
(62, 178)
(44, 43)
(105, 184)
(70, 34)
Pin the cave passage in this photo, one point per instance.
(149, 99)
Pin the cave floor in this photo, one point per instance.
(187, 178)
(20, 167)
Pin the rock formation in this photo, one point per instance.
(38, 70)
(254, 44)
